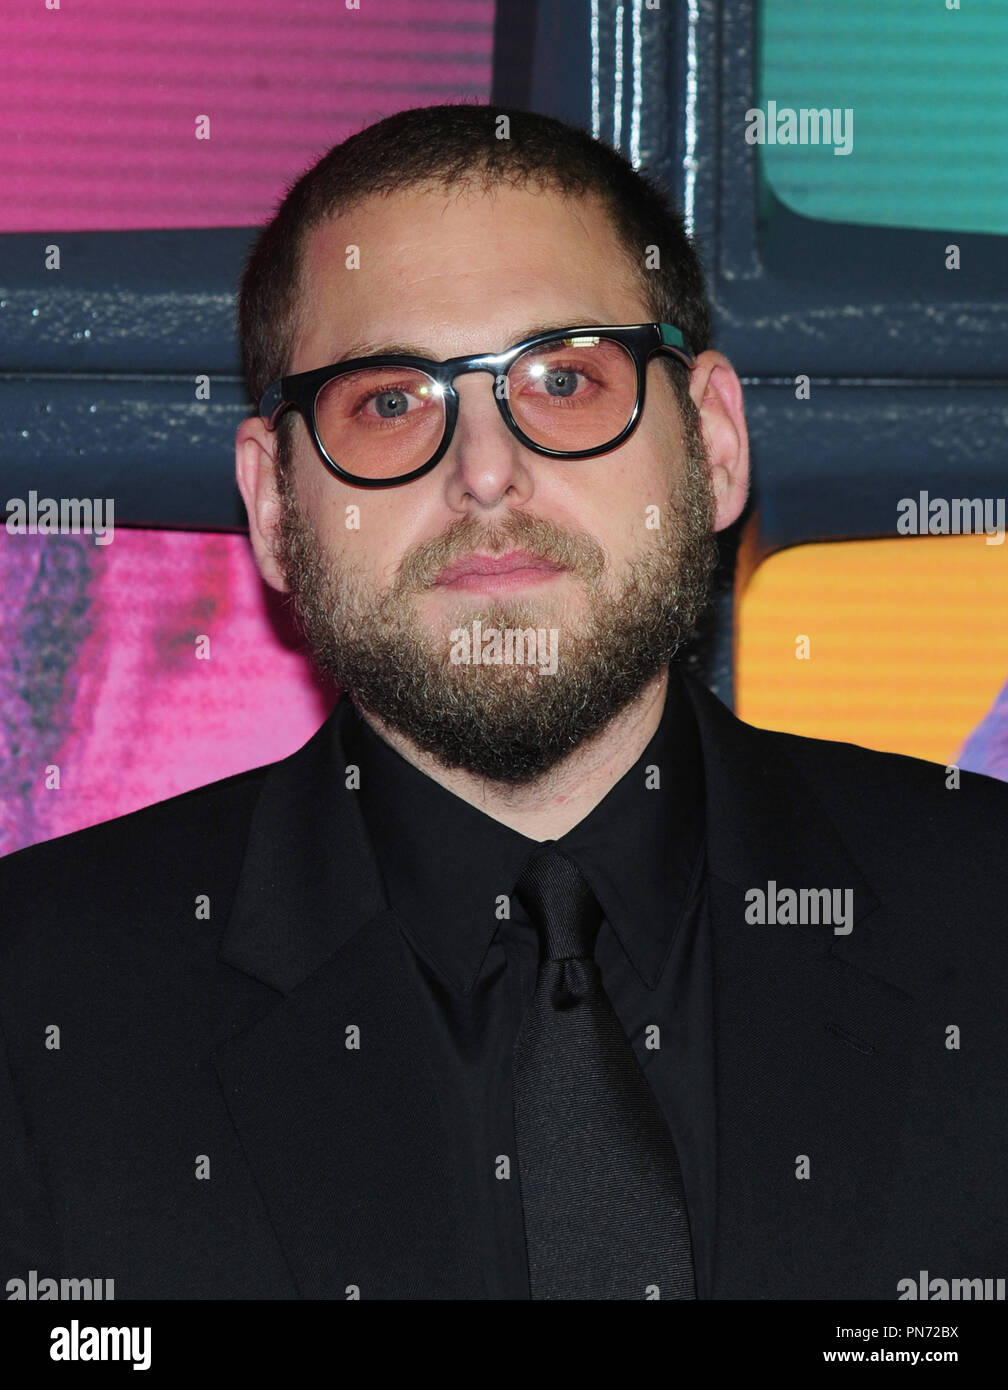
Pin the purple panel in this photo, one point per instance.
(986, 749)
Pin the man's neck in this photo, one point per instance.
(559, 800)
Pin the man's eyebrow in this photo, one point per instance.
(375, 349)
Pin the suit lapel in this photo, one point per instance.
(812, 1050)
(348, 1143)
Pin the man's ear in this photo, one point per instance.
(255, 473)
(717, 394)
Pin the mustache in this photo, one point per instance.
(573, 550)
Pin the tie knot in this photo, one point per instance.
(560, 904)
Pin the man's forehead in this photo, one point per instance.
(460, 230)
(428, 284)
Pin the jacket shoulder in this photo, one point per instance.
(850, 772)
(906, 817)
(899, 814)
(183, 813)
(137, 861)
(872, 773)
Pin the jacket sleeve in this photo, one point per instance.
(28, 1237)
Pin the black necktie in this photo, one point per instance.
(605, 1214)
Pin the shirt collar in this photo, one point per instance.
(447, 867)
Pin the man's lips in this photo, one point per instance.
(510, 571)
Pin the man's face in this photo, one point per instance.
(620, 544)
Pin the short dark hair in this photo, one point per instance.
(458, 146)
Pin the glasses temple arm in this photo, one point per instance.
(271, 402)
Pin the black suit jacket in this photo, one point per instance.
(217, 1045)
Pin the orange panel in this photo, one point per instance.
(907, 641)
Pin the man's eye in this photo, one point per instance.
(388, 403)
(558, 381)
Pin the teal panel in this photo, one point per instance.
(928, 88)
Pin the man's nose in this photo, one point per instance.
(485, 462)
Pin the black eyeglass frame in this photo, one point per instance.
(301, 391)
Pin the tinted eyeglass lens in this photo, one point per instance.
(381, 422)
(573, 393)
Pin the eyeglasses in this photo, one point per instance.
(568, 393)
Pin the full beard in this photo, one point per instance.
(507, 723)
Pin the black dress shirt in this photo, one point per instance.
(449, 870)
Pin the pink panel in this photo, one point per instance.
(101, 99)
(105, 677)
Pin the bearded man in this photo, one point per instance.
(535, 973)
